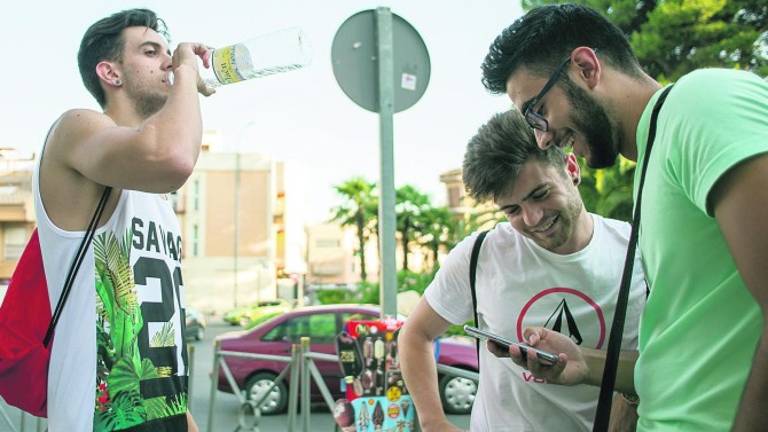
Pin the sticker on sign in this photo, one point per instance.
(408, 82)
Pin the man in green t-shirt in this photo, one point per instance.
(703, 362)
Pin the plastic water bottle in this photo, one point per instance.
(268, 54)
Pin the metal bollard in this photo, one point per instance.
(293, 392)
(190, 370)
(248, 418)
(214, 384)
(305, 385)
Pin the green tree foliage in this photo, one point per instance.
(681, 36)
(410, 206)
(439, 228)
(336, 296)
(674, 37)
(368, 292)
(608, 192)
(356, 210)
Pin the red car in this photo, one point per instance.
(322, 324)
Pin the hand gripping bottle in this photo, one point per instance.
(280, 51)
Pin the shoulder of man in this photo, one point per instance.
(75, 126)
(79, 120)
(705, 76)
(702, 92)
(614, 226)
(502, 232)
(460, 254)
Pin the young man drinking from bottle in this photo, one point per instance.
(118, 359)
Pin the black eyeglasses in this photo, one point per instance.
(534, 119)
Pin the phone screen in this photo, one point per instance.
(544, 357)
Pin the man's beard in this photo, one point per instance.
(146, 103)
(569, 219)
(568, 215)
(592, 121)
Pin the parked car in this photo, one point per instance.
(195, 324)
(263, 311)
(245, 315)
(322, 324)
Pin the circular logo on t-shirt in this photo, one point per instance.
(567, 311)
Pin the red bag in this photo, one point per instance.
(27, 324)
(24, 319)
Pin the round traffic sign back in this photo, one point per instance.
(354, 55)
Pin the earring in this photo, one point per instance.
(118, 82)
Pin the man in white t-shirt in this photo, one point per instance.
(552, 264)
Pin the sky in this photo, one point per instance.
(301, 117)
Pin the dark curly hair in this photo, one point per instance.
(104, 41)
(546, 35)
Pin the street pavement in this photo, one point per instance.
(226, 408)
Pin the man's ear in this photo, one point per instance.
(109, 74)
(572, 168)
(588, 66)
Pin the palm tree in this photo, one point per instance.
(409, 206)
(358, 196)
(372, 208)
(439, 227)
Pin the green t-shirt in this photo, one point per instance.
(700, 327)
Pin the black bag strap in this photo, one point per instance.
(603, 414)
(472, 276)
(78, 259)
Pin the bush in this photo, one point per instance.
(368, 292)
(411, 281)
(457, 329)
(336, 296)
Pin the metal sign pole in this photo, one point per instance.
(388, 275)
(379, 47)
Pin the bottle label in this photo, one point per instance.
(225, 65)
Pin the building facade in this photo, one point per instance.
(232, 213)
(17, 210)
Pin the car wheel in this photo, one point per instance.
(457, 394)
(199, 334)
(277, 400)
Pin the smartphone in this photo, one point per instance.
(544, 357)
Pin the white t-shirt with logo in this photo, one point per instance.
(520, 284)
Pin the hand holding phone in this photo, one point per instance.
(544, 357)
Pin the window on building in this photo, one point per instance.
(15, 237)
(195, 240)
(327, 243)
(196, 195)
(454, 197)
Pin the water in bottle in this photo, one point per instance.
(268, 54)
